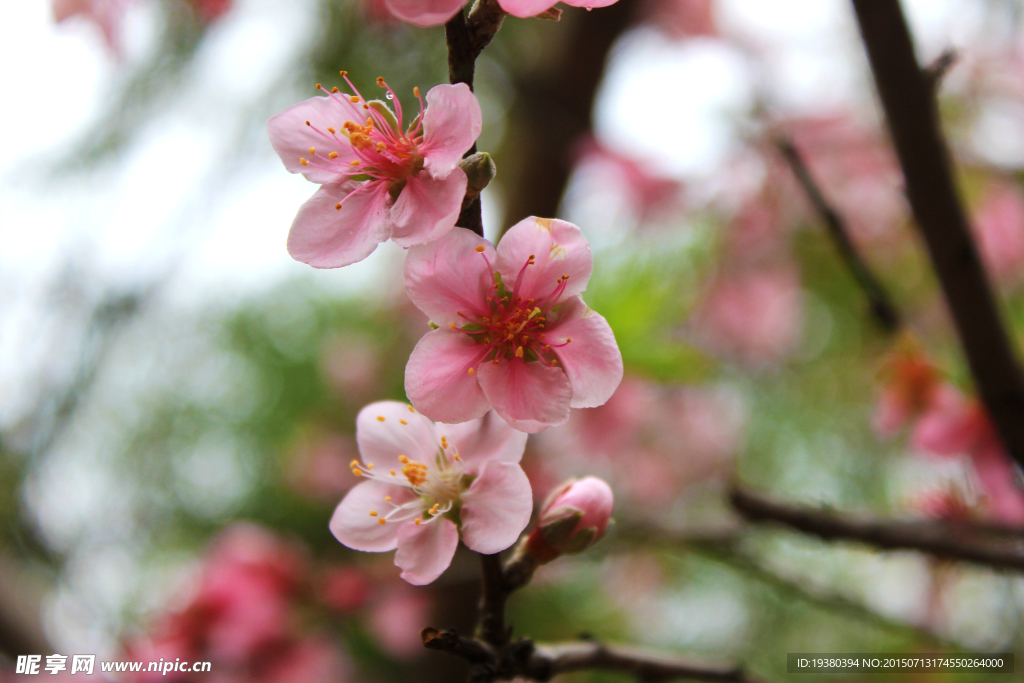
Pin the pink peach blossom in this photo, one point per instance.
(911, 384)
(647, 190)
(513, 334)
(531, 8)
(376, 181)
(999, 228)
(212, 10)
(424, 12)
(426, 482)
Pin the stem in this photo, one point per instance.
(907, 94)
(882, 309)
(954, 541)
(493, 595)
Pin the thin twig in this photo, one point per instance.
(881, 305)
(950, 541)
(908, 97)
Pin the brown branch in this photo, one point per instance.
(908, 97)
(950, 541)
(881, 305)
(542, 662)
(493, 594)
(466, 39)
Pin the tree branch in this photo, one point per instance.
(493, 594)
(881, 305)
(466, 39)
(954, 541)
(908, 97)
(542, 662)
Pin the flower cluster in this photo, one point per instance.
(513, 345)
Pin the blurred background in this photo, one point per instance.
(177, 396)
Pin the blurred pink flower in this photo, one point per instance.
(318, 464)
(351, 364)
(857, 172)
(684, 18)
(396, 619)
(212, 10)
(999, 229)
(531, 8)
(752, 315)
(345, 589)
(514, 333)
(911, 384)
(424, 12)
(376, 181)
(647, 190)
(449, 478)
(305, 661)
(108, 15)
(956, 425)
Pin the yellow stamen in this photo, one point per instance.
(416, 91)
(337, 207)
(403, 459)
(331, 130)
(418, 521)
(387, 499)
(334, 89)
(451, 326)
(353, 99)
(373, 513)
(411, 409)
(402, 422)
(354, 162)
(391, 472)
(481, 249)
(519, 352)
(319, 87)
(380, 81)
(369, 466)
(354, 464)
(472, 371)
(332, 155)
(303, 162)
(343, 73)
(312, 151)
(380, 418)
(380, 521)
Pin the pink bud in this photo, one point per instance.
(573, 518)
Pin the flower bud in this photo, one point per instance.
(480, 170)
(573, 518)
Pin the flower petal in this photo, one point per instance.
(496, 508)
(529, 396)
(437, 378)
(424, 12)
(292, 138)
(425, 551)
(558, 247)
(589, 4)
(449, 275)
(481, 441)
(326, 237)
(591, 360)
(451, 124)
(401, 432)
(354, 527)
(427, 208)
(525, 8)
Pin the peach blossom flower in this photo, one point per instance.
(426, 482)
(377, 182)
(514, 333)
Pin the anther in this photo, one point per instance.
(403, 459)
(380, 81)
(343, 73)
(369, 466)
(411, 409)
(391, 472)
(303, 162)
(381, 521)
(380, 418)
(337, 207)
(353, 99)
(403, 422)
(307, 123)
(319, 87)
(312, 151)
(331, 130)
(373, 513)
(472, 371)
(387, 499)
(354, 464)
(416, 91)
(451, 326)
(353, 163)
(332, 155)
(418, 521)
(519, 352)
(481, 249)
(334, 89)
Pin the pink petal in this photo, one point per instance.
(592, 359)
(425, 551)
(401, 432)
(326, 237)
(589, 4)
(481, 441)
(529, 396)
(525, 8)
(496, 508)
(451, 124)
(891, 413)
(448, 276)
(354, 527)
(999, 479)
(558, 247)
(437, 378)
(424, 12)
(947, 427)
(427, 208)
(292, 138)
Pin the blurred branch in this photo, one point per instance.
(951, 541)
(908, 98)
(881, 305)
(935, 71)
(542, 662)
(21, 596)
(555, 107)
